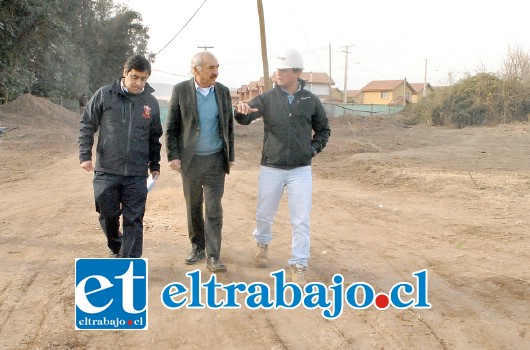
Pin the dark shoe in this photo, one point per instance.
(195, 256)
(215, 264)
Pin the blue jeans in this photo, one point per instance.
(299, 183)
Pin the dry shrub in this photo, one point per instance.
(483, 98)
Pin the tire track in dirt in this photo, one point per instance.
(355, 244)
(12, 298)
(467, 238)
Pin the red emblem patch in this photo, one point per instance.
(147, 112)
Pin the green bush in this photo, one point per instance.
(480, 99)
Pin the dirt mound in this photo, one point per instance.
(31, 117)
(35, 129)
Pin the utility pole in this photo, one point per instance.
(345, 97)
(205, 47)
(266, 78)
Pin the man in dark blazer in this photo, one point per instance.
(200, 146)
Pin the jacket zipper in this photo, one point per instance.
(289, 125)
(129, 132)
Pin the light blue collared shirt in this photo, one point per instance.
(289, 96)
(204, 91)
(209, 139)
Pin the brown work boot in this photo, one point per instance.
(261, 259)
(297, 274)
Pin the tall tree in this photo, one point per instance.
(118, 37)
(62, 48)
(23, 25)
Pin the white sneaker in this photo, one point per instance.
(297, 274)
(262, 259)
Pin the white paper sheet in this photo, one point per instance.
(151, 182)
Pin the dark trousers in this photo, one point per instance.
(121, 195)
(204, 182)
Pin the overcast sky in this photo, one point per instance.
(388, 39)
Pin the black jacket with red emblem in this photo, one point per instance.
(129, 131)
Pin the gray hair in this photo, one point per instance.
(198, 60)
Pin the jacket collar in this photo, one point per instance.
(193, 86)
(117, 87)
(300, 81)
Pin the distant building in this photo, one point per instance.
(418, 94)
(319, 84)
(354, 96)
(316, 82)
(253, 89)
(387, 92)
(336, 95)
(234, 95)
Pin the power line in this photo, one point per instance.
(161, 71)
(305, 36)
(181, 28)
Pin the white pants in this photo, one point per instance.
(299, 183)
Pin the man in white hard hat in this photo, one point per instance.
(295, 130)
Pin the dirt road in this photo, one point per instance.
(388, 201)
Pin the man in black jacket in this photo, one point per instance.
(200, 146)
(295, 130)
(127, 116)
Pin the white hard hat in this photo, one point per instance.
(289, 58)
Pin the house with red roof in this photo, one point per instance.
(317, 82)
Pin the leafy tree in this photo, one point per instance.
(23, 25)
(62, 48)
(118, 38)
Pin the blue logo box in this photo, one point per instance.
(111, 294)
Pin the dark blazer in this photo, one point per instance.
(183, 123)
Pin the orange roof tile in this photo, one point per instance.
(418, 87)
(317, 78)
